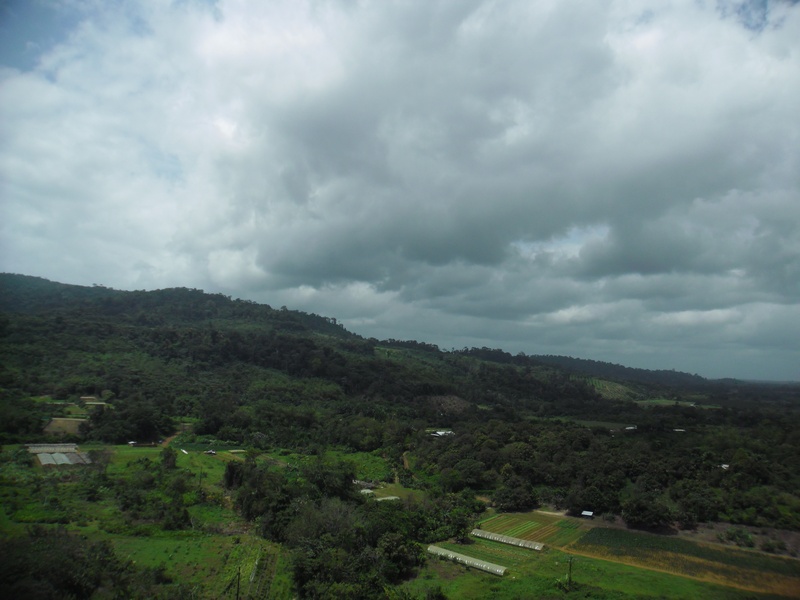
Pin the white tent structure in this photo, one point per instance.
(507, 539)
(467, 560)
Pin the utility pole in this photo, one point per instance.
(238, 579)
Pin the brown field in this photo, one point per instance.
(64, 426)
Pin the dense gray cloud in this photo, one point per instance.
(592, 179)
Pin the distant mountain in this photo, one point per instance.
(173, 306)
(26, 294)
(185, 307)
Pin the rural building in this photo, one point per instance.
(587, 514)
(369, 485)
(442, 433)
(51, 455)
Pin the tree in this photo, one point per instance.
(646, 511)
(169, 458)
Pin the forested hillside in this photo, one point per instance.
(660, 451)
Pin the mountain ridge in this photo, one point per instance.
(30, 294)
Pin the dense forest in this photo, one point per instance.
(659, 448)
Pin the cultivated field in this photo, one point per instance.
(613, 559)
(548, 529)
(743, 569)
(64, 426)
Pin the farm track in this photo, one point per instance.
(168, 441)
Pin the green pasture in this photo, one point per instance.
(369, 466)
(490, 551)
(623, 543)
(212, 561)
(47, 399)
(72, 410)
(395, 489)
(536, 577)
(122, 455)
(612, 390)
(736, 568)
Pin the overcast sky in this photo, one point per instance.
(615, 180)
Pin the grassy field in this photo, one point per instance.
(395, 489)
(536, 577)
(609, 563)
(728, 566)
(208, 556)
(612, 390)
(493, 552)
(213, 561)
(368, 466)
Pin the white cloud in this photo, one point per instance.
(585, 179)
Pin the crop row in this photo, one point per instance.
(521, 529)
(562, 537)
(535, 527)
(506, 522)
